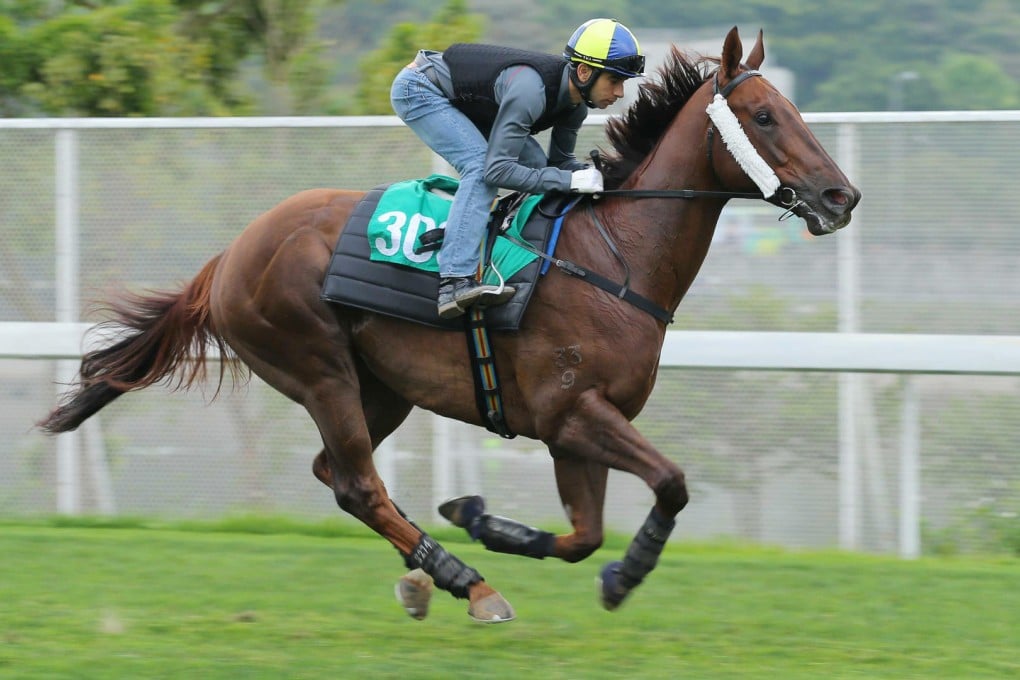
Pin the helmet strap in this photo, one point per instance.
(584, 87)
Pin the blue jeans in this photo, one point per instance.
(448, 132)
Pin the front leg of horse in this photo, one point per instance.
(582, 488)
(598, 432)
(618, 579)
(499, 534)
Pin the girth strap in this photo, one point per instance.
(488, 395)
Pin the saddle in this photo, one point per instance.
(404, 284)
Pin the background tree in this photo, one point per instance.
(187, 57)
(969, 81)
(113, 61)
(161, 57)
(12, 73)
(277, 35)
(450, 25)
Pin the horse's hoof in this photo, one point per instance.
(414, 592)
(611, 593)
(463, 510)
(491, 609)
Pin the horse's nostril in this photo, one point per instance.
(836, 197)
(839, 199)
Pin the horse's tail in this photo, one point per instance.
(161, 336)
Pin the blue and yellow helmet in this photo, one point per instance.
(606, 44)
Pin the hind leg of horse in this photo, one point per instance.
(359, 491)
(384, 411)
(414, 589)
(582, 489)
(275, 323)
(351, 423)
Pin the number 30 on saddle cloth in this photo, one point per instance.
(380, 263)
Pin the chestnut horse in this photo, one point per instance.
(358, 374)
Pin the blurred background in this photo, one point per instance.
(917, 101)
(338, 57)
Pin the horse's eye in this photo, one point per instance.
(763, 118)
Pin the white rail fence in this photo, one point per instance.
(845, 353)
(850, 353)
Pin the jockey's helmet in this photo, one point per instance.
(606, 44)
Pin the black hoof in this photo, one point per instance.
(462, 511)
(611, 592)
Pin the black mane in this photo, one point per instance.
(635, 133)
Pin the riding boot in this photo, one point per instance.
(457, 294)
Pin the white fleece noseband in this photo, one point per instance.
(740, 146)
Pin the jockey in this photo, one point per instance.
(478, 106)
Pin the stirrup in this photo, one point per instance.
(477, 294)
(497, 297)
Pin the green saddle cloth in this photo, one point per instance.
(408, 209)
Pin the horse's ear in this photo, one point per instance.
(757, 55)
(732, 51)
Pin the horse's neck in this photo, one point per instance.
(666, 240)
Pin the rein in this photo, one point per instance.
(734, 138)
(785, 202)
(677, 193)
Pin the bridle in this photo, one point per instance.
(724, 93)
(787, 197)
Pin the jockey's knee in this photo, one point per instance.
(473, 169)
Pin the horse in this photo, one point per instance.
(574, 375)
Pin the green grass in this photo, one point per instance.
(127, 600)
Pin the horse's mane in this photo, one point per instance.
(635, 133)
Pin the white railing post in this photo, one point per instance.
(850, 385)
(910, 471)
(442, 463)
(68, 452)
(849, 492)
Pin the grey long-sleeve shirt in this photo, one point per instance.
(515, 160)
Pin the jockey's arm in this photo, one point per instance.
(521, 97)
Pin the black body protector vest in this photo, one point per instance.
(474, 69)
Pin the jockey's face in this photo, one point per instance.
(607, 89)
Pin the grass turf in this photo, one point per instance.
(134, 602)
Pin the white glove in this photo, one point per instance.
(586, 181)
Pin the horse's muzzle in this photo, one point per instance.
(841, 200)
(827, 211)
